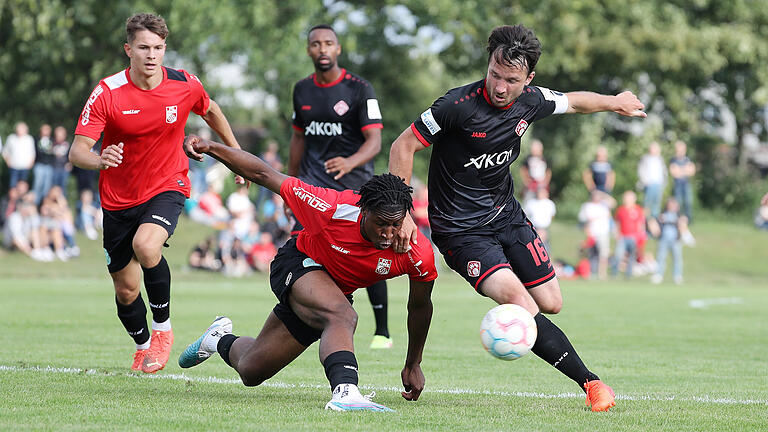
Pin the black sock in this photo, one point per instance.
(553, 346)
(341, 368)
(134, 319)
(224, 345)
(157, 281)
(377, 293)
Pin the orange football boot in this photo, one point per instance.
(158, 352)
(138, 359)
(600, 396)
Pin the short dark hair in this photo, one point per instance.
(514, 46)
(322, 27)
(145, 21)
(385, 190)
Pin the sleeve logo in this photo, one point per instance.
(311, 200)
(374, 113)
(429, 121)
(88, 105)
(473, 268)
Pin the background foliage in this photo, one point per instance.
(698, 65)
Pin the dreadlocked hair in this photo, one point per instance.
(385, 190)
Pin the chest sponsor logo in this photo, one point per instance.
(86, 117)
(478, 134)
(339, 248)
(473, 268)
(323, 129)
(429, 121)
(488, 160)
(383, 266)
(171, 113)
(341, 107)
(311, 199)
(133, 111)
(522, 125)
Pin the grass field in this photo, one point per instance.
(680, 358)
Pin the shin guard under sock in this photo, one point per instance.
(553, 346)
(134, 319)
(341, 368)
(157, 281)
(224, 345)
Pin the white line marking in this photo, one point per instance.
(705, 303)
(278, 384)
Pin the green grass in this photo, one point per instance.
(674, 367)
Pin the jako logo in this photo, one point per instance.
(310, 199)
(478, 134)
(87, 110)
(323, 129)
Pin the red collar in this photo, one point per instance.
(487, 99)
(334, 82)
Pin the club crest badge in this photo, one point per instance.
(171, 114)
(473, 268)
(341, 107)
(383, 267)
(521, 127)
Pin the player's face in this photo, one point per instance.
(324, 49)
(381, 227)
(505, 83)
(146, 52)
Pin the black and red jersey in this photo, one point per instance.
(150, 124)
(474, 144)
(333, 117)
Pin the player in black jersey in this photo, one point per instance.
(336, 134)
(476, 221)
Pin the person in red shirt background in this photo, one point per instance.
(630, 220)
(143, 183)
(346, 244)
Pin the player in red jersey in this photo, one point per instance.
(142, 112)
(346, 244)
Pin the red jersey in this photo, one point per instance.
(150, 124)
(331, 237)
(631, 220)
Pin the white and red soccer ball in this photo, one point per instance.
(508, 331)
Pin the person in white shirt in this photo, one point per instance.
(19, 154)
(595, 214)
(652, 172)
(540, 211)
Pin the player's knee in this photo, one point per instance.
(344, 315)
(251, 375)
(146, 253)
(552, 307)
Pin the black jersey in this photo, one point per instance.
(475, 142)
(333, 117)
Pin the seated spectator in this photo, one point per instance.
(63, 219)
(22, 232)
(630, 220)
(234, 261)
(540, 211)
(241, 210)
(203, 256)
(596, 217)
(8, 204)
(210, 209)
(262, 253)
(90, 216)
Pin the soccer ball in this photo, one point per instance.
(508, 331)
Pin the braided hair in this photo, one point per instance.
(385, 190)
(514, 46)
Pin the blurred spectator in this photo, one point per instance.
(671, 228)
(761, 216)
(253, 236)
(595, 214)
(630, 220)
(90, 216)
(535, 170)
(241, 210)
(19, 154)
(420, 212)
(681, 168)
(262, 253)
(652, 174)
(234, 260)
(540, 211)
(43, 168)
(8, 204)
(271, 157)
(209, 209)
(198, 169)
(600, 174)
(22, 232)
(61, 165)
(203, 256)
(58, 219)
(275, 220)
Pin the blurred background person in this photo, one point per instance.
(652, 174)
(681, 169)
(90, 217)
(61, 165)
(670, 228)
(630, 222)
(595, 214)
(599, 175)
(535, 170)
(43, 168)
(540, 211)
(19, 154)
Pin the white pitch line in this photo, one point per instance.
(278, 384)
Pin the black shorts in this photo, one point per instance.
(477, 255)
(121, 225)
(288, 266)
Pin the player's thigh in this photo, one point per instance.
(273, 349)
(548, 296)
(148, 243)
(318, 301)
(504, 287)
(527, 256)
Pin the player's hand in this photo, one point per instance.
(194, 147)
(627, 104)
(111, 156)
(408, 233)
(338, 164)
(240, 180)
(413, 382)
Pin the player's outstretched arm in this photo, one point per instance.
(401, 164)
(625, 103)
(419, 318)
(238, 161)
